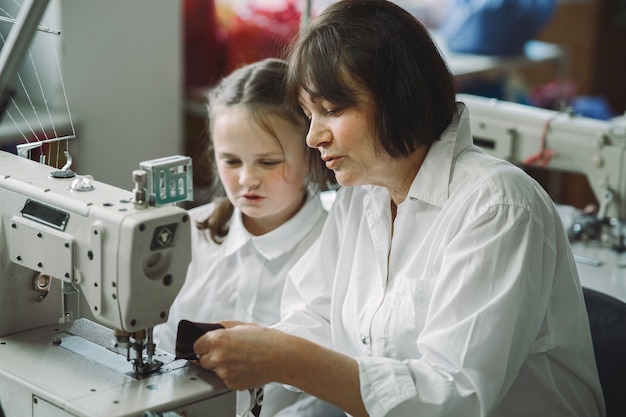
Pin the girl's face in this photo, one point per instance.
(263, 175)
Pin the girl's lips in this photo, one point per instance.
(252, 198)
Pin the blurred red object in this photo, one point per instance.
(263, 34)
(553, 94)
(204, 44)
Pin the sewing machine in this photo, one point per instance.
(73, 252)
(564, 142)
(86, 271)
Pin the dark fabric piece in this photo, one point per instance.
(187, 334)
(607, 319)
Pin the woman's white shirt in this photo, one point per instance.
(471, 307)
(242, 278)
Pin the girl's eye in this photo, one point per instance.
(270, 163)
(231, 162)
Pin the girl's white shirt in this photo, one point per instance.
(243, 277)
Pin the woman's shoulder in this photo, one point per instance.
(498, 181)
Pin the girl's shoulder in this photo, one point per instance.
(202, 212)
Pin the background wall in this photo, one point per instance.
(121, 65)
(122, 71)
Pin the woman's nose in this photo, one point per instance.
(317, 134)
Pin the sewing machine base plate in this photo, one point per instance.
(39, 376)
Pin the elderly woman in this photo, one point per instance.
(442, 283)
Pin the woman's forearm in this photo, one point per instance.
(321, 372)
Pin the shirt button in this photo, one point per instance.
(365, 340)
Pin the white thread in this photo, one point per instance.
(16, 125)
(45, 102)
(67, 105)
(43, 95)
(30, 101)
(256, 397)
(17, 107)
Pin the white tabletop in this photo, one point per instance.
(601, 269)
(463, 65)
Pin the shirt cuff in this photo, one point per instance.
(385, 383)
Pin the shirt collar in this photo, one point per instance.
(431, 184)
(280, 240)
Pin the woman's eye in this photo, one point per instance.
(231, 162)
(332, 111)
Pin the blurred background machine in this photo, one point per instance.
(563, 142)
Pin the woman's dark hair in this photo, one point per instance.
(389, 53)
(260, 88)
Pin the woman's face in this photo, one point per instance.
(346, 139)
(263, 175)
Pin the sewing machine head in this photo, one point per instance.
(560, 141)
(125, 256)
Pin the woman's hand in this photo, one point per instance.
(248, 356)
(243, 355)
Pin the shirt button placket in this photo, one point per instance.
(365, 341)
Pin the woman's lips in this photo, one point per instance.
(332, 161)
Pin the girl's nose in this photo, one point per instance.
(248, 178)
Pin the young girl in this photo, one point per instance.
(244, 244)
